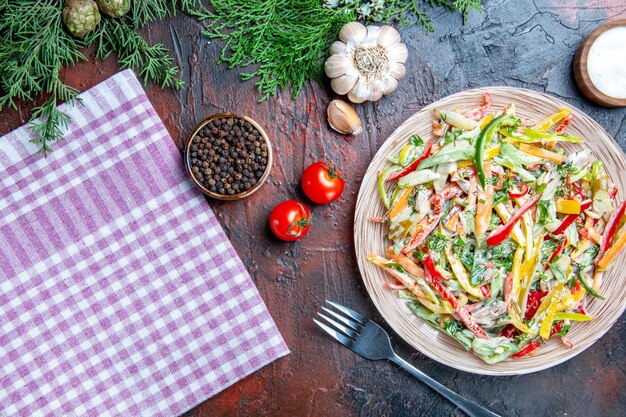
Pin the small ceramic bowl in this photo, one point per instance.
(242, 194)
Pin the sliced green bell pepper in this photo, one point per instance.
(571, 316)
(381, 184)
(485, 137)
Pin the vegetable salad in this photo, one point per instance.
(498, 238)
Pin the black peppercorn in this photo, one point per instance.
(229, 156)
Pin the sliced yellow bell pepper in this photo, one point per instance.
(516, 234)
(493, 152)
(485, 121)
(516, 319)
(527, 227)
(443, 308)
(615, 248)
(546, 300)
(566, 301)
(404, 155)
(567, 206)
(528, 272)
(550, 306)
(541, 153)
(552, 120)
(517, 270)
(461, 275)
(401, 204)
(489, 154)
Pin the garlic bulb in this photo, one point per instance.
(343, 118)
(366, 62)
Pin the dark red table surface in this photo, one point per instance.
(520, 43)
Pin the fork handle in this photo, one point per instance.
(472, 409)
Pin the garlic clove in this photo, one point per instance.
(376, 92)
(352, 32)
(344, 83)
(398, 53)
(397, 70)
(360, 92)
(343, 118)
(337, 47)
(388, 36)
(388, 84)
(372, 34)
(337, 65)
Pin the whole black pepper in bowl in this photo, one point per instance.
(228, 156)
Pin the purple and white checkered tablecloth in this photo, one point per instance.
(120, 295)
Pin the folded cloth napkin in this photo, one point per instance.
(119, 292)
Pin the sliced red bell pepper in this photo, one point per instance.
(433, 281)
(509, 331)
(533, 303)
(580, 309)
(395, 285)
(556, 328)
(425, 226)
(485, 291)
(569, 219)
(560, 127)
(469, 322)
(450, 191)
(556, 252)
(611, 227)
(613, 192)
(429, 264)
(521, 193)
(422, 230)
(527, 349)
(413, 165)
(432, 278)
(579, 190)
(504, 230)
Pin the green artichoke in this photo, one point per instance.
(80, 16)
(114, 8)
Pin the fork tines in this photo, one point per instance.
(344, 325)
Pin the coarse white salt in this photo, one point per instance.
(606, 62)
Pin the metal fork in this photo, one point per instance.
(369, 340)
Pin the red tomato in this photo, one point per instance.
(290, 220)
(322, 182)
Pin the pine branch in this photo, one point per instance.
(34, 47)
(465, 6)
